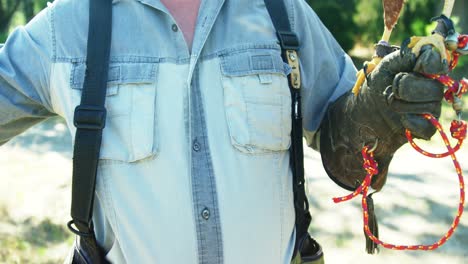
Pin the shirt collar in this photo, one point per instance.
(153, 3)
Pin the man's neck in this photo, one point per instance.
(185, 13)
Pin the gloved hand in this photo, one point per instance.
(392, 99)
(404, 94)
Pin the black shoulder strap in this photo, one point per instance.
(90, 116)
(289, 46)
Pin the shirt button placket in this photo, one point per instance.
(204, 185)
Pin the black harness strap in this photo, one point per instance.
(289, 46)
(90, 116)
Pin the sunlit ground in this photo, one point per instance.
(416, 206)
(35, 176)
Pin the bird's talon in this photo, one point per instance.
(413, 41)
(435, 40)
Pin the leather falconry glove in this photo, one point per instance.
(392, 99)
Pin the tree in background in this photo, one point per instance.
(28, 9)
(10, 8)
(32, 7)
(7, 10)
(338, 18)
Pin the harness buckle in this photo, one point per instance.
(90, 117)
(293, 62)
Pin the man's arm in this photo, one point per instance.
(25, 64)
(327, 71)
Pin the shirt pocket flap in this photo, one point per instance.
(126, 73)
(249, 63)
(131, 123)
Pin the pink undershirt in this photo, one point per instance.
(185, 13)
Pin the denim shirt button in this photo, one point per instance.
(175, 28)
(205, 214)
(196, 146)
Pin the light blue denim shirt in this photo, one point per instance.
(194, 162)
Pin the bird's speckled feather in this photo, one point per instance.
(392, 10)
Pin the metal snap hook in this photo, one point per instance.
(374, 147)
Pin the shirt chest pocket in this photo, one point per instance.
(257, 101)
(130, 133)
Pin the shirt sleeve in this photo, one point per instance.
(327, 72)
(25, 63)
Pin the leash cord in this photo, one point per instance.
(371, 167)
(458, 131)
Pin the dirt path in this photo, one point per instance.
(416, 206)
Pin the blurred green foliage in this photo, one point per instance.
(338, 17)
(17, 12)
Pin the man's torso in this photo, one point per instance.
(194, 162)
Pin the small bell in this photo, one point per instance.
(451, 42)
(457, 104)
